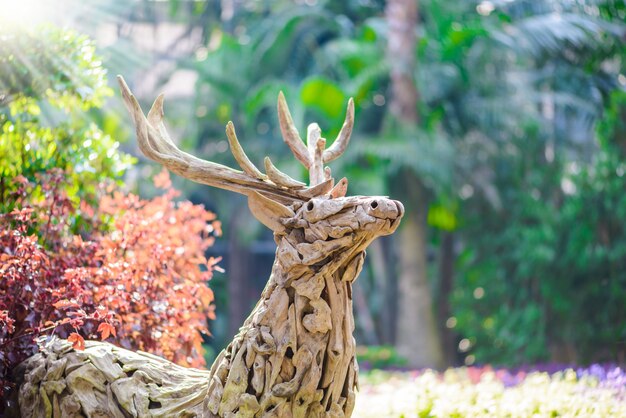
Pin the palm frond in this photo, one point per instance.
(430, 155)
(560, 34)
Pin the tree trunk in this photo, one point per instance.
(417, 335)
(293, 357)
(364, 316)
(418, 339)
(386, 283)
(402, 41)
(446, 284)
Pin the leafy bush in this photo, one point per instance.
(49, 78)
(140, 283)
(55, 65)
(80, 258)
(38, 284)
(543, 279)
(153, 273)
(379, 357)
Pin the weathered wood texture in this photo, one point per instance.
(295, 354)
(107, 381)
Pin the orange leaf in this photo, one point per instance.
(77, 341)
(162, 180)
(106, 330)
(64, 303)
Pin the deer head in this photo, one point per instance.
(285, 205)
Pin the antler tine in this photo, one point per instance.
(340, 144)
(156, 144)
(153, 138)
(290, 132)
(280, 178)
(239, 154)
(146, 134)
(316, 145)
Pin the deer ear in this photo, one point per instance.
(268, 211)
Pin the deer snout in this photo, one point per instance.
(385, 208)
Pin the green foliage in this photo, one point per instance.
(550, 266)
(510, 93)
(241, 76)
(58, 66)
(324, 95)
(379, 357)
(49, 79)
(515, 93)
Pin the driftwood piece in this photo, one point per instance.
(107, 381)
(295, 354)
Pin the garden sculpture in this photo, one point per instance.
(295, 354)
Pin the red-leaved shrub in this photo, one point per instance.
(152, 272)
(136, 276)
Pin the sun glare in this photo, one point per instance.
(22, 14)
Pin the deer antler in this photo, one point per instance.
(156, 144)
(314, 155)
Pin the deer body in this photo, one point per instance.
(295, 354)
(296, 349)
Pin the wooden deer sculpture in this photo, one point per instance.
(295, 354)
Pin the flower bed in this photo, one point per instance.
(484, 392)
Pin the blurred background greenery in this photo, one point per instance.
(500, 124)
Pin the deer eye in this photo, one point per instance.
(310, 206)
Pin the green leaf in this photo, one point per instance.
(324, 95)
(442, 217)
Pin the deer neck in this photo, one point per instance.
(296, 348)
